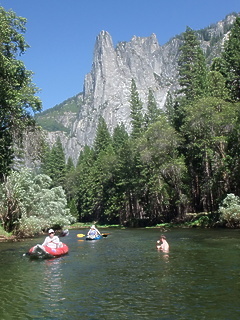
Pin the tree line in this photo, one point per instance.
(179, 160)
(175, 161)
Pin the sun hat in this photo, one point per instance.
(93, 226)
(50, 231)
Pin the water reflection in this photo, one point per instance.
(52, 281)
(165, 257)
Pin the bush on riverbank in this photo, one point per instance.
(29, 205)
(230, 211)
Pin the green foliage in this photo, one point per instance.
(85, 184)
(70, 165)
(136, 111)
(70, 105)
(29, 205)
(207, 121)
(208, 124)
(103, 138)
(230, 210)
(153, 112)
(48, 119)
(17, 92)
(205, 34)
(183, 159)
(50, 124)
(231, 56)
(216, 85)
(192, 67)
(3, 233)
(202, 220)
(164, 167)
(53, 163)
(58, 168)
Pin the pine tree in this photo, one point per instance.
(216, 85)
(231, 56)
(152, 110)
(192, 67)
(136, 107)
(126, 175)
(85, 184)
(70, 184)
(103, 137)
(70, 165)
(162, 170)
(58, 166)
(120, 136)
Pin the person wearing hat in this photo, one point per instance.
(162, 244)
(93, 232)
(51, 240)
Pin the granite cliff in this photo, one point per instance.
(106, 89)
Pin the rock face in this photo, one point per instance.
(106, 89)
(107, 86)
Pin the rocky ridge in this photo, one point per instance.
(106, 89)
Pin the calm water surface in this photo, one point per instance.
(124, 276)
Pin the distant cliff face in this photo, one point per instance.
(106, 89)
(107, 86)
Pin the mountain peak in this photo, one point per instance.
(104, 39)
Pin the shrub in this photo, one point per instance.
(29, 205)
(230, 211)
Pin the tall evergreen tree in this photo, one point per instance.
(136, 107)
(70, 184)
(70, 165)
(103, 137)
(104, 186)
(152, 110)
(54, 164)
(95, 175)
(124, 174)
(216, 85)
(163, 171)
(207, 127)
(192, 67)
(120, 136)
(231, 56)
(85, 184)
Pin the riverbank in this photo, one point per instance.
(5, 236)
(202, 222)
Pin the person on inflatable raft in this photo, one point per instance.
(52, 241)
(93, 232)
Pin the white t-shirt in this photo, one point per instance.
(51, 242)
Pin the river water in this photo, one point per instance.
(124, 276)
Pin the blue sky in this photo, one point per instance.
(62, 33)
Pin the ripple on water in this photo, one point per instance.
(125, 277)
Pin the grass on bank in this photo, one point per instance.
(4, 234)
